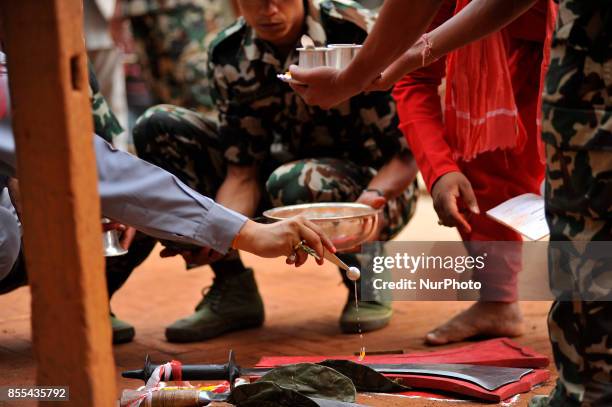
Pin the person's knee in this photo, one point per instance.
(289, 184)
(10, 241)
(316, 180)
(153, 122)
(167, 126)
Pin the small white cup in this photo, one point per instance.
(341, 55)
(312, 57)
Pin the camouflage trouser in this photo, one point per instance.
(186, 144)
(577, 130)
(579, 197)
(171, 47)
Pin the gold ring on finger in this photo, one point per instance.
(299, 245)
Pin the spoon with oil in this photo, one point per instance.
(352, 274)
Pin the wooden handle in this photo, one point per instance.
(326, 254)
(335, 259)
(175, 398)
(163, 398)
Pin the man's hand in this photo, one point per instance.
(127, 233)
(202, 257)
(15, 195)
(127, 237)
(280, 239)
(372, 199)
(322, 86)
(446, 192)
(376, 201)
(199, 257)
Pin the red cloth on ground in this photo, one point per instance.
(494, 352)
(498, 175)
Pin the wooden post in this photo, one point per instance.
(53, 126)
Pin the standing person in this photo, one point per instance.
(480, 153)
(470, 163)
(577, 132)
(107, 60)
(271, 149)
(171, 39)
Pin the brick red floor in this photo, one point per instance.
(302, 309)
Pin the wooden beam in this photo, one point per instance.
(61, 210)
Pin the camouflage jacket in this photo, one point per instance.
(263, 120)
(213, 9)
(577, 96)
(106, 124)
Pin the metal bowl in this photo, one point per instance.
(346, 224)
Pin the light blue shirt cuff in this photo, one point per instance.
(220, 227)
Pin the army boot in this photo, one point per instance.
(365, 315)
(122, 331)
(230, 304)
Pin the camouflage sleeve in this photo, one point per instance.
(379, 113)
(106, 124)
(574, 111)
(352, 11)
(244, 140)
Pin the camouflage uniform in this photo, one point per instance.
(187, 144)
(371, 4)
(106, 124)
(304, 154)
(171, 37)
(577, 130)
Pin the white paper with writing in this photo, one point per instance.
(524, 214)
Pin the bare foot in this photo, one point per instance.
(494, 319)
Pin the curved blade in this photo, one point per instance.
(487, 377)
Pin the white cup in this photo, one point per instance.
(341, 55)
(312, 57)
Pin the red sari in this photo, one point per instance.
(497, 173)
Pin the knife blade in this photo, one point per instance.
(487, 377)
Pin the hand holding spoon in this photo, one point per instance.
(352, 273)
